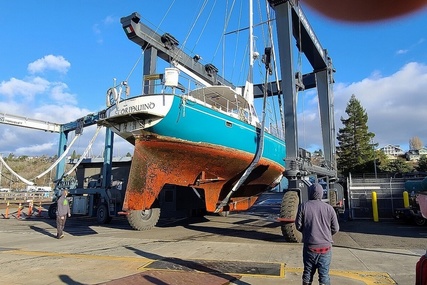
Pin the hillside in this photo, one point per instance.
(28, 168)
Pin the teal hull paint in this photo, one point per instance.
(196, 123)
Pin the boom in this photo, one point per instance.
(29, 123)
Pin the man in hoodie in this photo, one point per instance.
(317, 221)
(62, 211)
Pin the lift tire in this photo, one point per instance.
(102, 214)
(419, 221)
(142, 220)
(52, 211)
(289, 210)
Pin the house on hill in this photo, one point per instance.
(416, 154)
(392, 151)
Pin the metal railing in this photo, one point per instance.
(389, 196)
(25, 196)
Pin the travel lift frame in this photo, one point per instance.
(88, 201)
(290, 21)
(98, 201)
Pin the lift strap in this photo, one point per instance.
(14, 173)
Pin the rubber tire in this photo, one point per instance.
(142, 220)
(289, 210)
(419, 221)
(102, 214)
(52, 210)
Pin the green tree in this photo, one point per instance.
(318, 152)
(74, 155)
(381, 160)
(398, 166)
(355, 152)
(422, 164)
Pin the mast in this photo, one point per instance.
(250, 81)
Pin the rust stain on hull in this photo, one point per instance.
(157, 162)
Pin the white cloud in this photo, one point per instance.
(39, 149)
(110, 20)
(402, 51)
(97, 28)
(37, 98)
(59, 95)
(26, 88)
(395, 106)
(49, 62)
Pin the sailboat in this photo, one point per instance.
(209, 137)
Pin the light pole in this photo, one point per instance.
(375, 158)
(375, 164)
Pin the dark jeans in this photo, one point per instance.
(60, 224)
(316, 261)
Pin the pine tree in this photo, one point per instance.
(355, 152)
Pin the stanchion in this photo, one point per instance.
(405, 199)
(375, 206)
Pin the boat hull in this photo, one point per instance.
(189, 144)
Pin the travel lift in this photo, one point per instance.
(290, 21)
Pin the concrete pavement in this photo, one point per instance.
(243, 245)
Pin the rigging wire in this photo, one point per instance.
(89, 147)
(237, 44)
(155, 31)
(223, 31)
(194, 23)
(276, 72)
(59, 158)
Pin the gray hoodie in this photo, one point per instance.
(63, 205)
(316, 220)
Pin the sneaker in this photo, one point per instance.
(61, 236)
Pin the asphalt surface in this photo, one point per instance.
(247, 246)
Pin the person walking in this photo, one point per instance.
(62, 211)
(317, 221)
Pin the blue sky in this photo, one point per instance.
(58, 59)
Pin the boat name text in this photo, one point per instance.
(135, 109)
